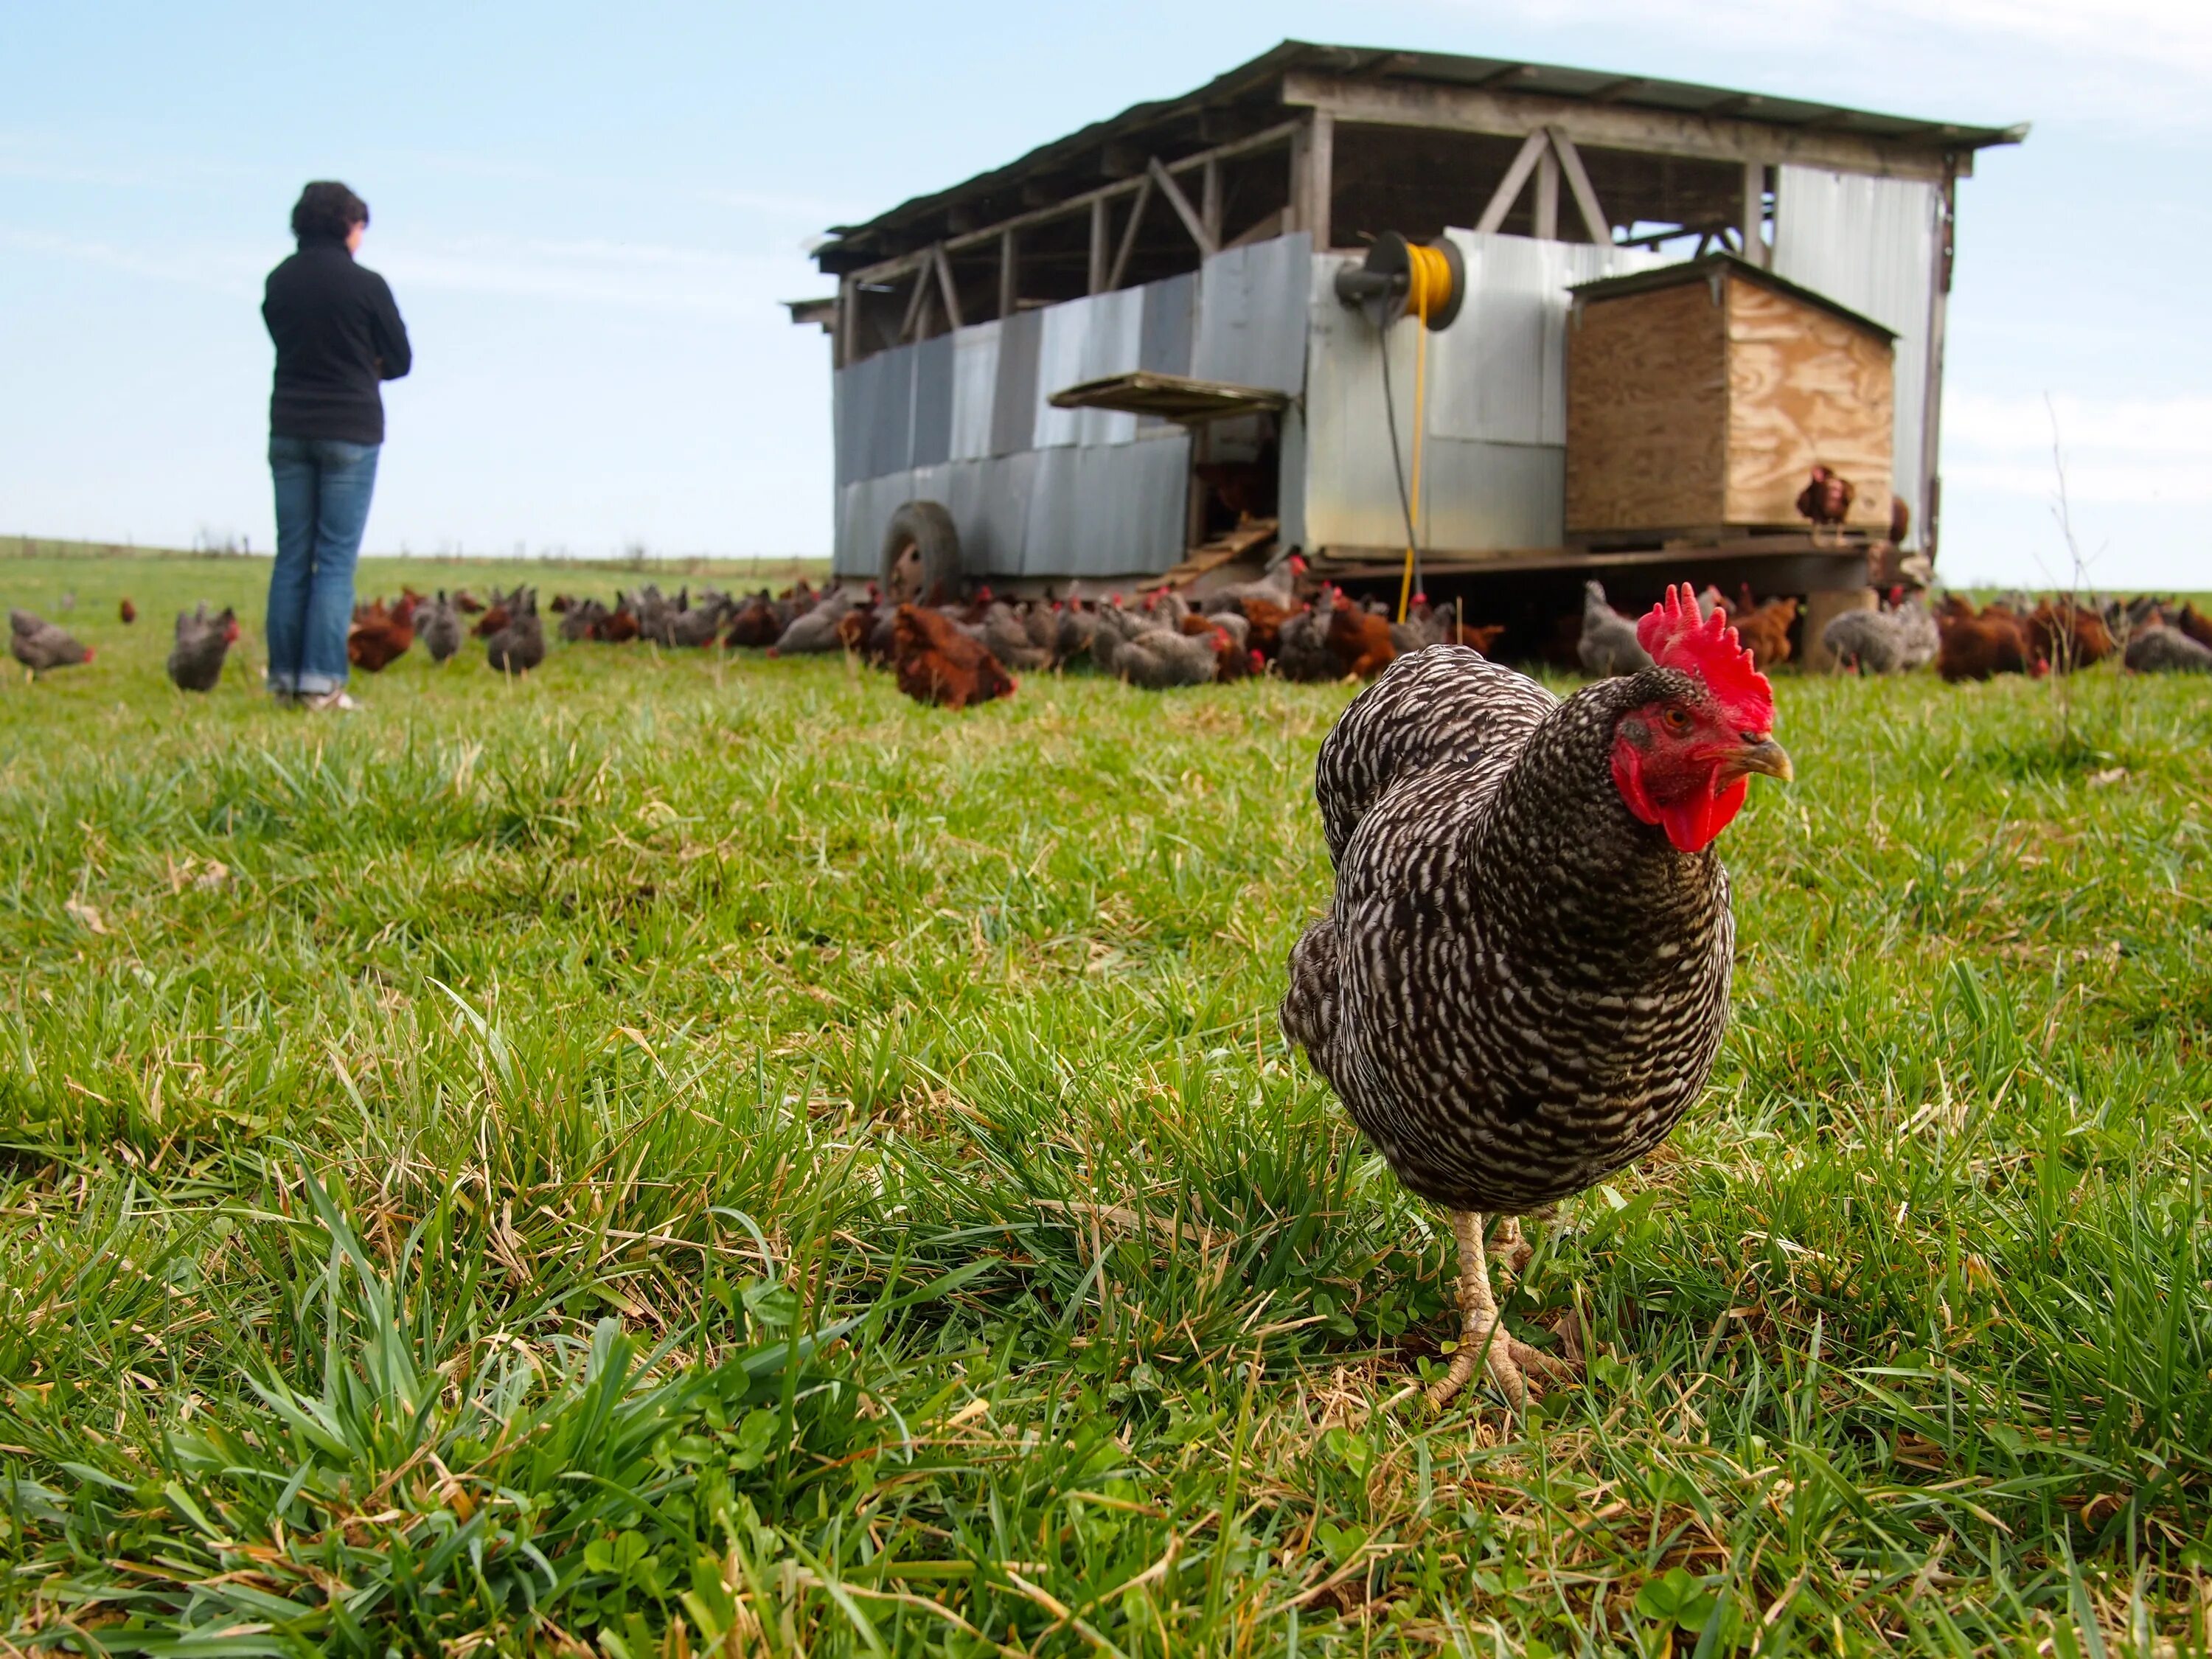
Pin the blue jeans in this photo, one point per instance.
(323, 487)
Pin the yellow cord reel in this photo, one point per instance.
(1425, 281)
(1400, 279)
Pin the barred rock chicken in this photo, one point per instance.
(520, 646)
(1609, 642)
(439, 627)
(1521, 983)
(203, 641)
(2157, 649)
(39, 645)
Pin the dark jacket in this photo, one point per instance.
(337, 333)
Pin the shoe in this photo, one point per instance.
(335, 700)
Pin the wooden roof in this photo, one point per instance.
(1253, 96)
(1715, 264)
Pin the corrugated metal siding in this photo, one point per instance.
(1107, 510)
(1498, 374)
(1495, 465)
(975, 381)
(932, 400)
(1252, 309)
(1086, 340)
(1171, 312)
(1013, 400)
(965, 419)
(1869, 243)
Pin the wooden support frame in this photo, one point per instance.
(1931, 426)
(923, 277)
(1609, 126)
(1578, 183)
(1275, 137)
(1100, 233)
(1210, 200)
(1313, 186)
(1751, 227)
(945, 283)
(1010, 273)
(1122, 254)
(1508, 188)
(1192, 222)
(1547, 194)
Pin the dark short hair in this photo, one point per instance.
(327, 208)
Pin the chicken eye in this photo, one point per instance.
(1678, 721)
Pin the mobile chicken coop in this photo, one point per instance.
(1180, 338)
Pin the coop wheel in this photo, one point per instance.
(922, 555)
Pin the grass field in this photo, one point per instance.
(678, 1156)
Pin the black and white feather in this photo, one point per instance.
(1519, 987)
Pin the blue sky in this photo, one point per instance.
(588, 214)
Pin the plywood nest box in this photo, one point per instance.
(1700, 396)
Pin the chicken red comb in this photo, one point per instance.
(1676, 637)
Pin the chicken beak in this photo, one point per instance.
(1761, 755)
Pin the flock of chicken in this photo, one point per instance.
(953, 655)
(959, 655)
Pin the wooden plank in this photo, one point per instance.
(1805, 388)
(922, 278)
(1173, 397)
(1099, 229)
(1129, 236)
(1931, 430)
(1578, 181)
(944, 282)
(1010, 273)
(1272, 138)
(1184, 211)
(1607, 127)
(1754, 221)
(848, 307)
(1508, 188)
(1316, 186)
(1547, 195)
(1210, 199)
(1647, 411)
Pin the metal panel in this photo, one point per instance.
(1869, 243)
(1013, 403)
(1252, 310)
(975, 380)
(887, 417)
(864, 507)
(932, 400)
(1170, 309)
(1084, 340)
(991, 507)
(1110, 510)
(1498, 374)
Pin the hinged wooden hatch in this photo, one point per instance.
(1170, 397)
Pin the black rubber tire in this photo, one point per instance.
(922, 555)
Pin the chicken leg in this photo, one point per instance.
(1483, 1339)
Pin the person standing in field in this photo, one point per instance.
(338, 335)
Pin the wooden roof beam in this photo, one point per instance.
(1267, 138)
(1608, 126)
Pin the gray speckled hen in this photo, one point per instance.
(1521, 981)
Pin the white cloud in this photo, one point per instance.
(2131, 63)
(2134, 451)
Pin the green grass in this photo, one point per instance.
(680, 1142)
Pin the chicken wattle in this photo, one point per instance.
(1520, 984)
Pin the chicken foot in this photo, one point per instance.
(1483, 1338)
